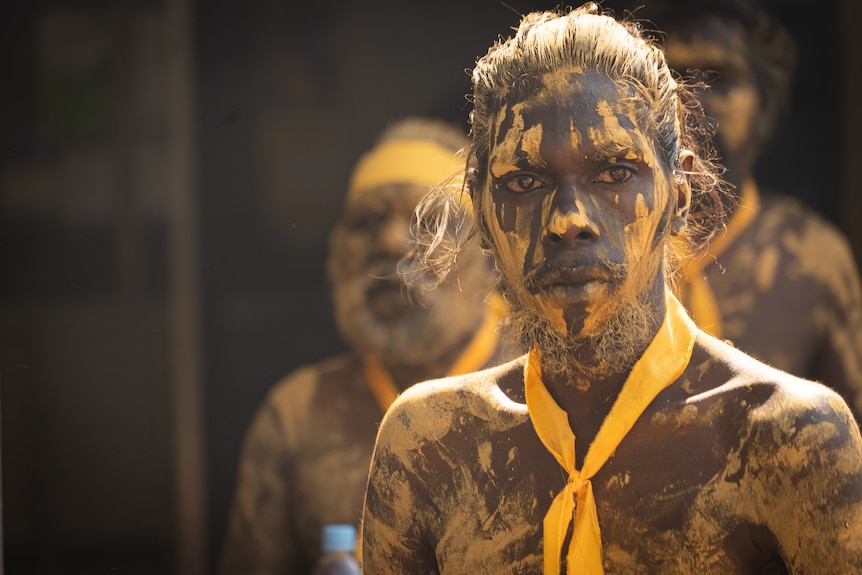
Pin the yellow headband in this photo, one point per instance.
(404, 161)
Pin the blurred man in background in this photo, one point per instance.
(781, 283)
(305, 457)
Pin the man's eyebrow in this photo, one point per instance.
(518, 161)
(616, 150)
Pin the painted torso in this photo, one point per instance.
(789, 294)
(304, 463)
(461, 483)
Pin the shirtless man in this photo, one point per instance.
(625, 440)
(305, 457)
(781, 283)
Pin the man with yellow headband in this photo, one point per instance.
(305, 457)
(781, 283)
(625, 440)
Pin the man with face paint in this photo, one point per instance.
(625, 440)
(781, 282)
(305, 457)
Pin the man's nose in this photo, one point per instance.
(393, 236)
(570, 218)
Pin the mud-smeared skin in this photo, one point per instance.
(788, 288)
(305, 457)
(735, 468)
(553, 171)
(304, 463)
(789, 294)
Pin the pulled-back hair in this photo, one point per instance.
(585, 38)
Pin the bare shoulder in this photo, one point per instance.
(768, 449)
(773, 409)
(430, 409)
(818, 245)
(293, 394)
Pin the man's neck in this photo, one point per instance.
(588, 391)
(406, 374)
(592, 383)
(586, 408)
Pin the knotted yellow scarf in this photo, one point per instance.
(696, 292)
(474, 357)
(661, 364)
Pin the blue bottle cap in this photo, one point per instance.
(339, 537)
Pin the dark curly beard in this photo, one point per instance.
(619, 345)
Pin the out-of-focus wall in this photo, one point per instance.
(86, 439)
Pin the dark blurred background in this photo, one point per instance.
(169, 173)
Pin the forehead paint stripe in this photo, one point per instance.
(575, 137)
(611, 130)
(504, 122)
(404, 161)
(566, 80)
(643, 227)
(531, 142)
(508, 145)
(504, 152)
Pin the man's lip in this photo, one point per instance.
(386, 286)
(388, 298)
(562, 274)
(571, 276)
(571, 285)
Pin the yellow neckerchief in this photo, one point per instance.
(661, 364)
(474, 357)
(696, 293)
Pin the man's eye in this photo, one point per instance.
(615, 175)
(523, 183)
(364, 223)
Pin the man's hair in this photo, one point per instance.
(586, 38)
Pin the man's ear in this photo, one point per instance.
(472, 182)
(683, 190)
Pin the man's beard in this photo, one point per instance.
(618, 345)
(421, 332)
(390, 338)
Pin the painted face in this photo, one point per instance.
(719, 49)
(576, 203)
(374, 310)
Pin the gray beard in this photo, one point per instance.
(619, 345)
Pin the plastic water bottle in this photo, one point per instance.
(339, 551)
